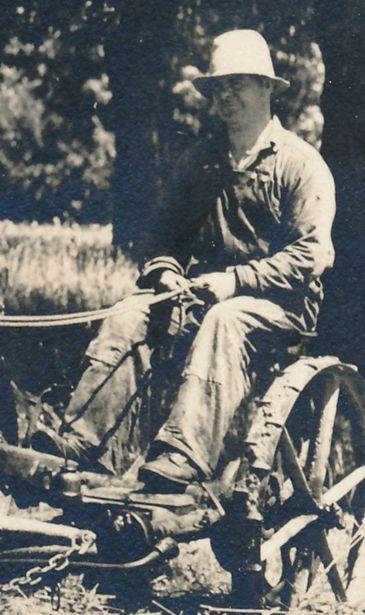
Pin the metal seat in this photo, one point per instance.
(297, 345)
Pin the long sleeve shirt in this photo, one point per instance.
(269, 220)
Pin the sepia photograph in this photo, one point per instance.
(182, 283)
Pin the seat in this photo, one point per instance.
(297, 345)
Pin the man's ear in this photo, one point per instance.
(269, 85)
(213, 106)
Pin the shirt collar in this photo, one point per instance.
(267, 139)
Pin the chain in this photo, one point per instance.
(56, 563)
(34, 575)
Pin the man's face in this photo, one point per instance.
(239, 95)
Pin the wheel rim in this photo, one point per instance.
(311, 480)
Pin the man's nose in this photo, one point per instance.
(225, 93)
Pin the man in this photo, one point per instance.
(247, 229)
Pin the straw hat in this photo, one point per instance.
(239, 52)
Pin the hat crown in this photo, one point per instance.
(241, 52)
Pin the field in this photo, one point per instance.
(55, 269)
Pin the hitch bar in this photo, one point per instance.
(20, 525)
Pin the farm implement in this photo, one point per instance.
(281, 515)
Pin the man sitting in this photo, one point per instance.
(247, 229)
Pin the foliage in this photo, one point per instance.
(75, 599)
(296, 55)
(76, 76)
(52, 86)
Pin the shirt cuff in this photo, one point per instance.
(245, 277)
(161, 263)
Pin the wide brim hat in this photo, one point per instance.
(239, 52)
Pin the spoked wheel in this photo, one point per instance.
(317, 501)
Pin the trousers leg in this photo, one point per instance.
(106, 402)
(216, 378)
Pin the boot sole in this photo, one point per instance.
(161, 481)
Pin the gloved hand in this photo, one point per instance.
(169, 280)
(214, 287)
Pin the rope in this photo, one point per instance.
(77, 318)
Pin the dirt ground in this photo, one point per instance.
(193, 578)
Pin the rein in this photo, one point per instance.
(77, 318)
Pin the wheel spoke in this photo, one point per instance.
(344, 486)
(356, 571)
(297, 524)
(301, 575)
(304, 569)
(323, 549)
(318, 459)
(322, 448)
(295, 470)
(5, 503)
(352, 559)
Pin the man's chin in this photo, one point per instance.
(232, 117)
(230, 111)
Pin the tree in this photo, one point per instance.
(55, 152)
(340, 31)
(154, 57)
(79, 77)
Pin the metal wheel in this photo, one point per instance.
(316, 500)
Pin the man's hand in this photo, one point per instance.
(169, 280)
(215, 286)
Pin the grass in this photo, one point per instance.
(55, 268)
(75, 599)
